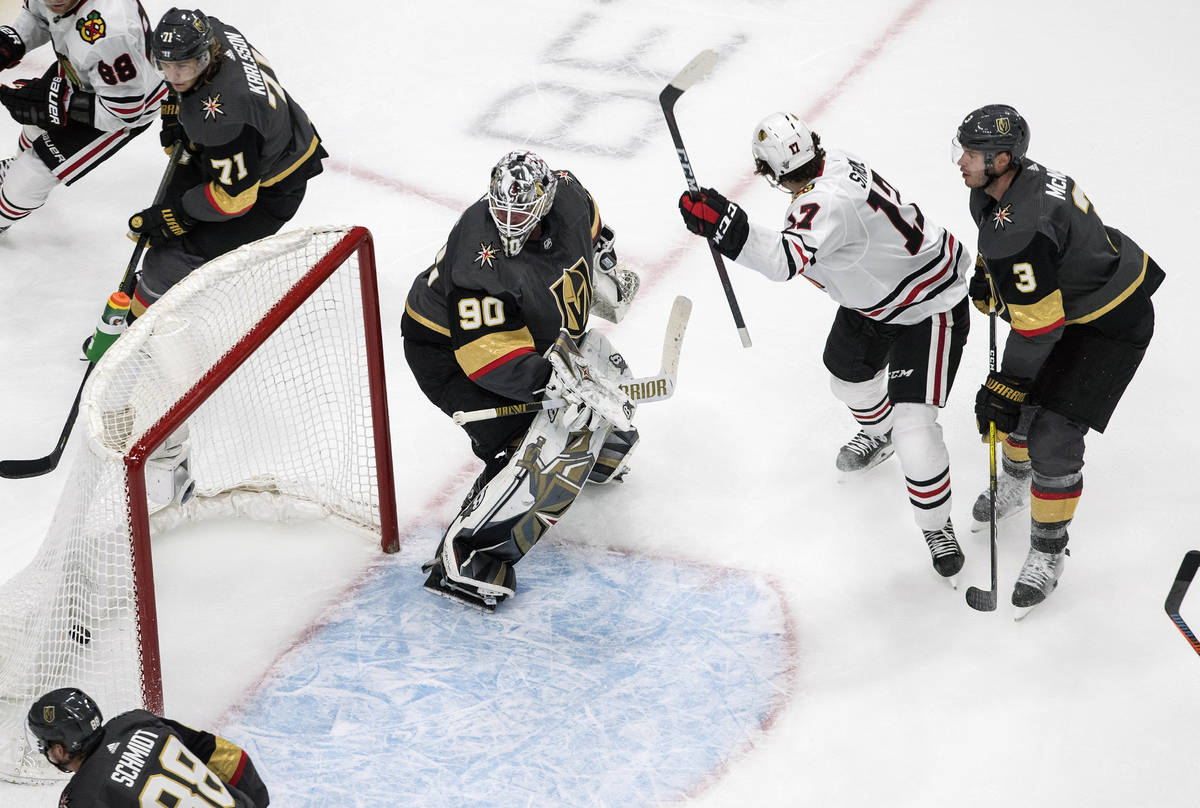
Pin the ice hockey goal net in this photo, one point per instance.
(273, 358)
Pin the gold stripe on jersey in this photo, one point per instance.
(283, 175)
(595, 218)
(1116, 301)
(1037, 318)
(491, 348)
(425, 321)
(225, 759)
(232, 204)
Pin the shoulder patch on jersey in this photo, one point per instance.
(91, 28)
(212, 107)
(486, 255)
(1002, 217)
(565, 176)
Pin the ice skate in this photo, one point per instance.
(865, 452)
(1012, 497)
(1038, 579)
(947, 556)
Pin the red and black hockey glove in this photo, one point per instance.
(12, 48)
(47, 102)
(709, 214)
(160, 223)
(999, 400)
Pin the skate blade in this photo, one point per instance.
(952, 580)
(438, 585)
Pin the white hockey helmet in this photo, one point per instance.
(781, 143)
(520, 193)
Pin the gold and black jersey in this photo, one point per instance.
(1052, 261)
(500, 314)
(142, 759)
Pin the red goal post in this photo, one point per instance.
(272, 358)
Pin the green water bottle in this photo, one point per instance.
(111, 324)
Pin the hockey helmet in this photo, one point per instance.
(781, 143)
(66, 716)
(993, 129)
(182, 35)
(520, 194)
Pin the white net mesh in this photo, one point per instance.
(295, 420)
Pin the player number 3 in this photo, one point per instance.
(474, 313)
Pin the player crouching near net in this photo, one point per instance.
(500, 319)
(900, 283)
(138, 758)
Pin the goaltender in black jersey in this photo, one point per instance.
(139, 759)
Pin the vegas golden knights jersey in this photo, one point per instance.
(1052, 261)
(500, 314)
(142, 759)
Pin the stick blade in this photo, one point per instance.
(696, 70)
(22, 469)
(681, 312)
(981, 600)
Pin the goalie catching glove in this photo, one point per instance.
(48, 102)
(160, 223)
(999, 401)
(708, 213)
(591, 398)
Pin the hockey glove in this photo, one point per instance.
(606, 256)
(711, 215)
(591, 398)
(12, 48)
(160, 223)
(999, 401)
(172, 130)
(980, 290)
(48, 102)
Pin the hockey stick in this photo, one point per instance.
(984, 600)
(19, 469)
(659, 387)
(1183, 578)
(696, 70)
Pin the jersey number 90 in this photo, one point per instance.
(474, 313)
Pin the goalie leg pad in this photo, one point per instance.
(511, 513)
(613, 462)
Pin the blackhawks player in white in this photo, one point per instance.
(900, 282)
(100, 93)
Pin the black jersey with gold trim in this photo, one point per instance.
(1050, 257)
(142, 759)
(500, 314)
(250, 133)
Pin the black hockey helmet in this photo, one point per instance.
(67, 716)
(181, 35)
(993, 129)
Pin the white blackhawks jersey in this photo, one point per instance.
(102, 48)
(851, 235)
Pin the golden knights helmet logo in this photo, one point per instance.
(1003, 126)
(48, 714)
(91, 28)
(573, 293)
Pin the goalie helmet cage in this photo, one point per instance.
(272, 357)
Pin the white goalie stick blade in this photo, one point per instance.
(695, 70)
(658, 387)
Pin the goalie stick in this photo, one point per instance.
(984, 600)
(658, 387)
(19, 469)
(697, 69)
(1183, 579)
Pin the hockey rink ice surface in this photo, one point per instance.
(735, 625)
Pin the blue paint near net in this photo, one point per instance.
(609, 680)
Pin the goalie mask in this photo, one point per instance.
(519, 196)
(782, 143)
(992, 129)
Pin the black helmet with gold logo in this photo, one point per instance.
(993, 129)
